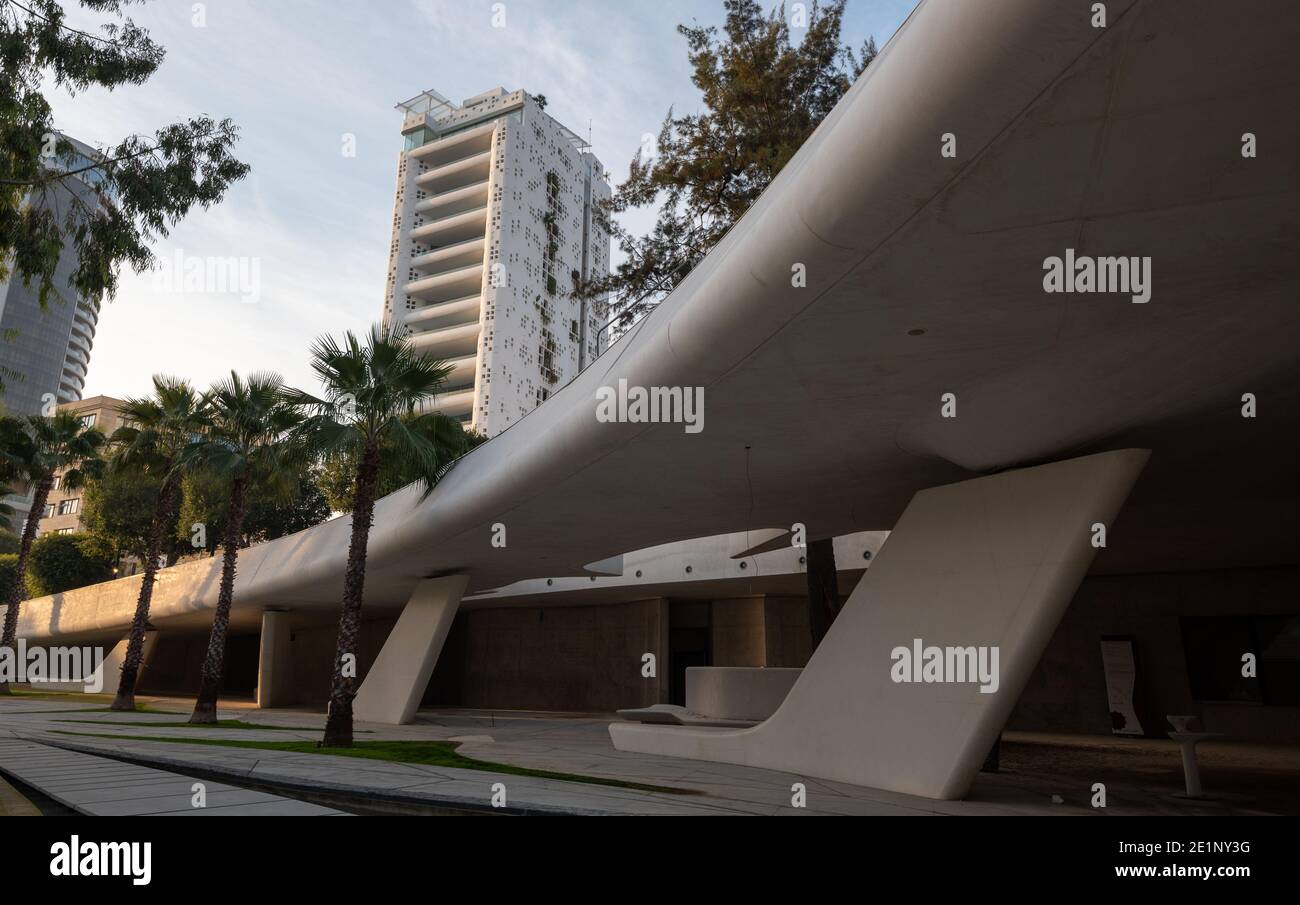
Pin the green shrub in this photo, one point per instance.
(8, 568)
(62, 562)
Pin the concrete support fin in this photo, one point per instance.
(988, 564)
(109, 675)
(393, 687)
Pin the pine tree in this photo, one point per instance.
(763, 96)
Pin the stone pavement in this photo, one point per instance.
(100, 787)
(569, 743)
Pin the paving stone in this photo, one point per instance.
(102, 787)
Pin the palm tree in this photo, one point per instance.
(246, 443)
(35, 449)
(157, 430)
(370, 408)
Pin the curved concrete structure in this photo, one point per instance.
(983, 565)
(820, 406)
(924, 278)
(738, 692)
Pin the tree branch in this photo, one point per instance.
(67, 28)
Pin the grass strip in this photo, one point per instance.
(437, 754)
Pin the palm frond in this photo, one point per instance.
(373, 393)
(7, 512)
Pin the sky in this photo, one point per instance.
(307, 83)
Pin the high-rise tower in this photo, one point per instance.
(493, 223)
(45, 352)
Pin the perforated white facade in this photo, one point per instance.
(492, 224)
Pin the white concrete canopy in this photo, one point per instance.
(822, 403)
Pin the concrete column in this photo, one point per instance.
(787, 638)
(663, 668)
(739, 632)
(275, 680)
(989, 564)
(393, 687)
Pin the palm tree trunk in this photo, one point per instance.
(338, 725)
(823, 588)
(19, 591)
(164, 515)
(214, 663)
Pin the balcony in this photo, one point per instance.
(444, 287)
(453, 229)
(459, 254)
(444, 314)
(462, 370)
(457, 175)
(471, 197)
(455, 147)
(81, 335)
(448, 343)
(456, 403)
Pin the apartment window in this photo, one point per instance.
(89, 419)
(58, 479)
(64, 530)
(49, 510)
(69, 507)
